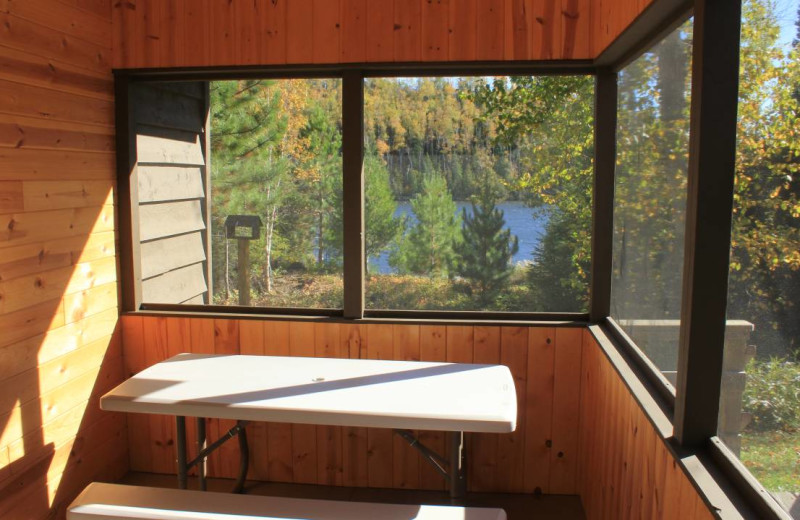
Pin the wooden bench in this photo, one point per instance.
(113, 502)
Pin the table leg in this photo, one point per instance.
(458, 466)
(201, 445)
(244, 458)
(180, 446)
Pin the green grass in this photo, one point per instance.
(388, 291)
(774, 459)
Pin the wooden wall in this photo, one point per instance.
(170, 121)
(58, 293)
(183, 33)
(541, 456)
(579, 430)
(624, 467)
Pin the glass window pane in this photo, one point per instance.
(478, 193)
(263, 222)
(760, 396)
(650, 197)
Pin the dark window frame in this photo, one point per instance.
(352, 77)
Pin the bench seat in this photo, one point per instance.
(113, 502)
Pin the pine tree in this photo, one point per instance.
(249, 173)
(321, 182)
(428, 248)
(486, 250)
(552, 288)
(382, 228)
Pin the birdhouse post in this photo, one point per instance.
(243, 228)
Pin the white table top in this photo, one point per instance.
(341, 392)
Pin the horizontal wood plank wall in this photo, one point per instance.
(182, 33)
(170, 122)
(541, 456)
(59, 343)
(624, 468)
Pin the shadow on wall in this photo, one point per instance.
(60, 347)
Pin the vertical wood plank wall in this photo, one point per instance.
(624, 468)
(579, 430)
(541, 456)
(184, 33)
(59, 349)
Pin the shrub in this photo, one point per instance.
(772, 394)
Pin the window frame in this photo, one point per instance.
(352, 78)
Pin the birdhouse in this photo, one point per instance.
(246, 227)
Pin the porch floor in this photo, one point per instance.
(517, 506)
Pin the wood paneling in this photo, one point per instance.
(59, 348)
(624, 468)
(375, 457)
(579, 429)
(161, 33)
(379, 43)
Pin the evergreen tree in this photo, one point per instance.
(486, 250)
(544, 125)
(428, 248)
(382, 228)
(552, 286)
(249, 174)
(321, 182)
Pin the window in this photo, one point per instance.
(760, 393)
(253, 215)
(471, 202)
(650, 198)
(478, 193)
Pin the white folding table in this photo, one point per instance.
(402, 395)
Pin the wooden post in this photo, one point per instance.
(709, 205)
(244, 271)
(605, 145)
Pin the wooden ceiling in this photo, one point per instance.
(191, 33)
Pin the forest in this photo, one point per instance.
(429, 142)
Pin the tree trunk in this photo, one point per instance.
(270, 227)
(673, 69)
(227, 270)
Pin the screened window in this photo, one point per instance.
(241, 200)
(478, 193)
(650, 197)
(760, 393)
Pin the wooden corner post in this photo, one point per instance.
(712, 164)
(605, 155)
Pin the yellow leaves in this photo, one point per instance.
(382, 147)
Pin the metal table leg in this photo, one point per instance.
(180, 446)
(201, 445)
(458, 466)
(244, 458)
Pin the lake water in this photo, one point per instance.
(527, 224)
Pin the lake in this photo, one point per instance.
(527, 224)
